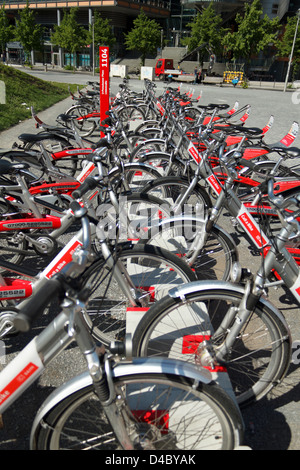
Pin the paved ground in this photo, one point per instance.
(272, 423)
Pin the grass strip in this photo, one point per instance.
(23, 91)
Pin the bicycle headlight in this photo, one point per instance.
(236, 272)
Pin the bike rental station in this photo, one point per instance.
(119, 229)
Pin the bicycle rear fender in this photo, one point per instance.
(143, 166)
(155, 140)
(200, 286)
(137, 366)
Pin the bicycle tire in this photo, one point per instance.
(153, 271)
(259, 358)
(214, 260)
(149, 111)
(130, 113)
(170, 188)
(67, 165)
(10, 250)
(84, 127)
(133, 176)
(147, 145)
(167, 412)
(166, 164)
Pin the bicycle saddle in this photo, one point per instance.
(212, 106)
(14, 154)
(291, 152)
(66, 117)
(7, 168)
(248, 131)
(92, 94)
(41, 136)
(219, 106)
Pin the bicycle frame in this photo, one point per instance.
(277, 259)
(11, 289)
(226, 198)
(20, 197)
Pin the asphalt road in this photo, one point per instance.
(271, 424)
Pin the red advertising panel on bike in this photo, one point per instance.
(104, 82)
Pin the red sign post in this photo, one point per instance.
(104, 82)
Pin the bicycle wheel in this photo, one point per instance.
(147, 145)
(149, 111)
(187, 329)
(151, 145)
(163, 413)
(181, 237)
(134, 176)
(171, 189)
(12, 247)
(131, 115)
(84, 127)
(66, 165)
(165, 163)
(152, 271)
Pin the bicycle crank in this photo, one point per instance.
(42, 244)
(7, 322)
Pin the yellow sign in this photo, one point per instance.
(228, 76)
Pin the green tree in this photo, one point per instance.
(254, 32)
(6, 30)
(284, 44)
(28, 32)
(103, 33)
(206, 29)
(69, 34)
(144, 36)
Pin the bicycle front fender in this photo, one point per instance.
(136, 367)
(116, 171)
(200, 286)
(154, 140)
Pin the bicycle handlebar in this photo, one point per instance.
(88, 184)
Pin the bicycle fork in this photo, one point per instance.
(101, 374)
(277, 258)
